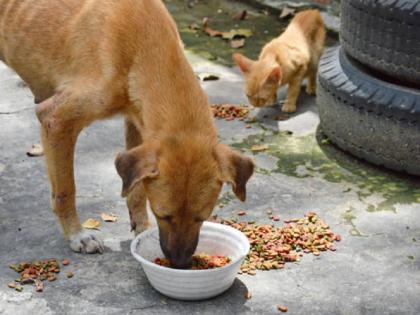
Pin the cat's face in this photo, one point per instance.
(262, 80)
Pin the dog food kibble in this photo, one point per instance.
(200, 261)
(272, 247)
(248, 295)
(69, 274)
(65, 262)
(282, 308)
(230, 111)
(35, 273)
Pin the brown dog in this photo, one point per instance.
(89, 60)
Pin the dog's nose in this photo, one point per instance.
(181, 262)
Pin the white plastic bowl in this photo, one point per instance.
(215, 239)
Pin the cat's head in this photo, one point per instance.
(262, 79)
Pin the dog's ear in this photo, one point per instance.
(136, 165)
(243, 62)
(235, 169)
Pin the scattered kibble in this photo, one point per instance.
(272, 247)
(69, 274)
(276, 218)
(39, 285)
(12, 285)
(200, 261)
(230, 111)
(248, 295)
(241, 212)
(36, 273)
(282, 308)
(19, 288)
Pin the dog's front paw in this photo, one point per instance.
(86, 243)
(137, 228)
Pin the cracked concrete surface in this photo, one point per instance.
(375, 271)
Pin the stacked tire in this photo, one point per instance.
(369, 87)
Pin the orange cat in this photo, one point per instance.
(287, 59)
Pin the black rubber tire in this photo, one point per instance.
(383, 35)
(370, 118)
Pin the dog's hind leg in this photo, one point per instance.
(136, 200)
(62, 118)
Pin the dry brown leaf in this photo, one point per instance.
(91, 224)
(241, 32)
(237, 43)
(208, 30)
(281, 117)
(109, 217)
(259, 147)
(194, 27)
(208, 76)
(36, 150)
(287, 12)
(240, 16)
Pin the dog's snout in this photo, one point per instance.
(181, 261)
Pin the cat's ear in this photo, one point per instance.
(243, 62)
(275, 75)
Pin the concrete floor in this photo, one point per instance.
(375, 270)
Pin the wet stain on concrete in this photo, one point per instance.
(307, 156)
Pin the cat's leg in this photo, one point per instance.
(136, 200)
(311, 76)
(293, 91)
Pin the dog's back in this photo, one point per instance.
(47, 42)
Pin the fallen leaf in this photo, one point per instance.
(91, 224)
(241, 32)
(286, 11)
(281, 117)
(208, 30)
(208, 76)
(237, 43)
(240, 16)
(36, 150)
(109, 217)
(194, 27)
(259, 147)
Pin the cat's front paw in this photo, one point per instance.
(310, 90)
(288, 108)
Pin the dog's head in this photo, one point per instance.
(182, 180)
(262, 79)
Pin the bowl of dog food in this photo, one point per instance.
(216, 262)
